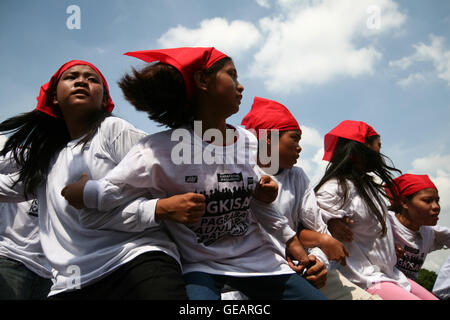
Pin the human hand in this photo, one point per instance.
(316, 273)
(339, 229)
(334, 249)
(399, 251)
(184, 208)
(73, 192)
(266, 190)
(295, 251)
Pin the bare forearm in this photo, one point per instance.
(310, 239)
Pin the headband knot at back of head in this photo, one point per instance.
(348, 129)
(44, 100)
(269, 114)
(186, 60)
(408, 184)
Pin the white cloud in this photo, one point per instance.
(313, 42)
(263, 3)
(412, 78)
(435, 53)
(311, 137)
(233, 38)
(402, 63)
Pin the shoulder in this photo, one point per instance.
(116, 125)
(247, 134)
(165, 137)
(331, 186)
(297, 177)
(298, 172)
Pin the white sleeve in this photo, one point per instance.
(441, 286)
(10, 192)
(311, 214)
(330, 204)
(320, 255)
(120, 137)
(130, 179)
(301, 186)
(441, 238)
(135, 216)
(272, 220)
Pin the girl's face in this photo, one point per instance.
(79, 92)
(289, 148)
(423, 209)
(226, 91)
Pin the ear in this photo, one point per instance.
(54, 98)
(201, 80)
(105, 101)
(404, 203)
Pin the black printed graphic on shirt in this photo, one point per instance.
(411, 263)
(229, 177)
(33, 209)
(226, 212)
(191, 179)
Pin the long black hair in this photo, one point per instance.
(35, 139)
(353, 161)
(159, 90)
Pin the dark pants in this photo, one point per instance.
(150, 276)
(206, 286)
(17, 282)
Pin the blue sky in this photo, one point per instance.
(385, 62)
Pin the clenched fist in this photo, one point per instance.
(184, 208)
(266, 190)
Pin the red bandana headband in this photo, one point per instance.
(409, 184)
(269, 114)
(186, 60)
(348, 129)
(44, 100)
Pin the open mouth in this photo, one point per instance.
(80, 92)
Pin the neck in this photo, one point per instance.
(211, 121)
(406, 221)
(77, 129)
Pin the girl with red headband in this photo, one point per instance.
(71, 131)
(271, 116)
(222, 243)
(414, 220)
(347, 190)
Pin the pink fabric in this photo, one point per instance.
(392, 291)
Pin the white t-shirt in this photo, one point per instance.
(372, 257)
(78, 254)
(417, 244)
(441, 286)
(227, 240)
(292, 184)
(19, 229)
